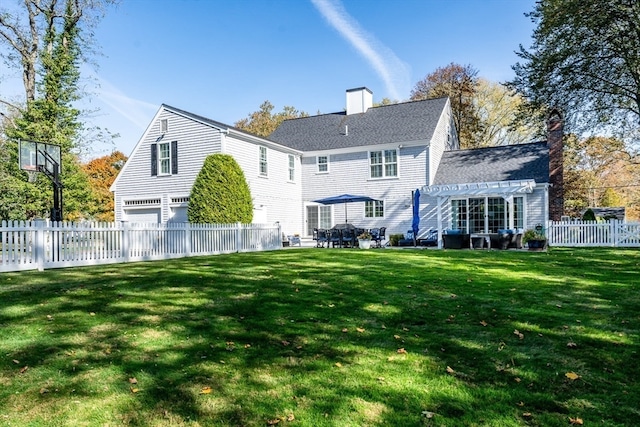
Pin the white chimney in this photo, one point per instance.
(359, 100)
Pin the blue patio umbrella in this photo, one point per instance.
(344, 198)
(415, 224)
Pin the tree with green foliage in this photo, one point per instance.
(585, 59)
(263, 122)
(220, 193)
(45, 39)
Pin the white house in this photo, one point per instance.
(383, 152)
(155, 183)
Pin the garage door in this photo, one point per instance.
(143, 215)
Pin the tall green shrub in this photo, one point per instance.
(589, 215)
(220, 193)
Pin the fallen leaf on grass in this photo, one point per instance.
(205, 390)
(133, 380)
(518, 334)
(526, 414)
(402, 351)
(273, 421)
(134, 390)
(571, 344)
(17, 362)
(285, 343)
(339, 365)
(516, 379)
(397, 337)
(24, 369)
(291, 417)
(360, 330)
(576, 421)
(428, 414)
(521, 403)
(44, 391)
(572, 376)
(483, 323)
(345, 330)
(450, 370)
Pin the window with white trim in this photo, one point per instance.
(383, 164)
(323, 164)
(374, 209)
(263, 161)
(164, 125)
(292, 168)
(164, 158)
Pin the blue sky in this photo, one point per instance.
(222, 59)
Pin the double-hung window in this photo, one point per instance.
(164, 158)
(374, 209)
(263, 161)
(292, 168)
(383, 164)
(323, 164)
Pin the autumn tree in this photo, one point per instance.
(460, 84)
(585, 59)
(101, 173)
(263, 122)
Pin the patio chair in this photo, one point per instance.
(378, 235)
(348, 237)
(321, 237)
(335, 237)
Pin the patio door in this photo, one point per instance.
(318, 216)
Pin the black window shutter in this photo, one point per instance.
(154, 159)
(174, 157)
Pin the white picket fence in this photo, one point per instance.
(591, 233)
(30, 245)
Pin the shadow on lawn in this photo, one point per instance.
(318, 333)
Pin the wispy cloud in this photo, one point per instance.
(394, 73)
(133, 110)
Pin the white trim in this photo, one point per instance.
(495, 188)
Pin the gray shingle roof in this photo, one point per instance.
(503, 163)
(404, 122)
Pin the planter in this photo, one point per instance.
(537, 245)
(364, 243)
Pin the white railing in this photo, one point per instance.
(591, 233)
(42, 244)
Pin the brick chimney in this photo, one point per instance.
(555, 133)
(359, 100)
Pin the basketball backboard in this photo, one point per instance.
(39, 156)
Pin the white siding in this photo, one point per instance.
(274, 193)
(195, 142)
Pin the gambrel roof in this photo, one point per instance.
(503, 163)
(395, 123)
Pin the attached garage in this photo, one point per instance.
(142, 215)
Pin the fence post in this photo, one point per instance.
(613, 232)
(125, 240)
(39, 250)
(186, 227)
(238, 236)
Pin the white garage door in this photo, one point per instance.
(143, 215)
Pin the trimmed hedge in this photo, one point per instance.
(220, 193)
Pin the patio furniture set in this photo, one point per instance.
(502, 239)
(346, 236)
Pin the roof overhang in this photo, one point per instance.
(496, 188)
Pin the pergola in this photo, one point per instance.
(505, 189)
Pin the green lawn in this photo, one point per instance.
(327, 337)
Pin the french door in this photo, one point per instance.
(318, 216)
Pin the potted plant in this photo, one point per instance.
(364, 240)
(535, 238)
